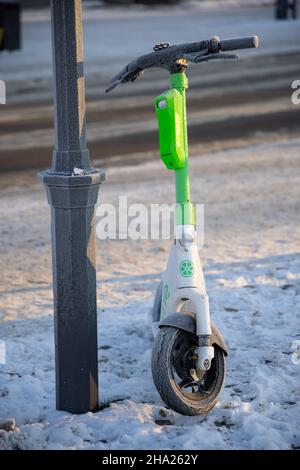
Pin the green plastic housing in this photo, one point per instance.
(169, 110)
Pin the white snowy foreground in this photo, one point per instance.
(252, 266)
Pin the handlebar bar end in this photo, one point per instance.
(255, 41)
(239, 43)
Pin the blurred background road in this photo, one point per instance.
(230, 104)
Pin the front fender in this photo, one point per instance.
(187, 322)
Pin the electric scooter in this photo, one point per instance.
(189, 353)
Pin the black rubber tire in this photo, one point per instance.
(155, 313)
(163, 378)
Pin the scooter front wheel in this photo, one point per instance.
(174, 368)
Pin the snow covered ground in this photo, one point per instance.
(252, 266)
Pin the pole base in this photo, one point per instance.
(72, 200)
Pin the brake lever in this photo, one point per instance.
(113, 85)
(127, 77)
(216, 56)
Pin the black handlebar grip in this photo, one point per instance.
(239, 43)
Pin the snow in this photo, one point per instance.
(252, 267)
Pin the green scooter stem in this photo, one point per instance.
(184, 213)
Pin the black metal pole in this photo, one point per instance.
(72, 189)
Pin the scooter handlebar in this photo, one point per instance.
(175, 58)
(239, 43)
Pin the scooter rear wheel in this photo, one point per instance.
(173, 361)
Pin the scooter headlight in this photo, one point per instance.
(186, 240)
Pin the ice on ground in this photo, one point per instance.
(252, 267)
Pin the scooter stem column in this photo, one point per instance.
(185, 213)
